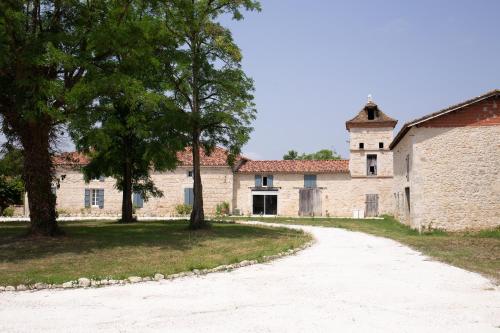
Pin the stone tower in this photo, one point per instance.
(370, 134)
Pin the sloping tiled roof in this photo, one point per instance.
(361, 119)
(217, 158)
(408, 125)
(295, 166)
(70, 159)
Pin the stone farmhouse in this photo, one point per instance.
(361, 185)
(447, 167)
(440, 171)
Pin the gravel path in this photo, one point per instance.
(346, 282)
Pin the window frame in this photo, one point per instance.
(94, 197)
(380, 145)
(313, 180)
(361, 145)
(371, 157)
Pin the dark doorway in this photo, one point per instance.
(265, 204)
(371, 205)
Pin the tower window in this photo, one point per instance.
(371, 165)
(381, 145)
(371, 114)
(361, 145)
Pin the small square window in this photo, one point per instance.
(361, 145)
(190, 173)
(381, 145)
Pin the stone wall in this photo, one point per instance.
(217, 187)
(455, 178)
(370, 137)
(341, 194)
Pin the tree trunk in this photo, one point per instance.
(197, 220)
(38, 175)
(127, 209)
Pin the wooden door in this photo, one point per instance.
(371, 205)
(310, 202)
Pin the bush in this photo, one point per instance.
(183, 209)
(8, 212)
(222, 209)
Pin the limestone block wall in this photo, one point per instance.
(371, 138)
(340, 193)
(402, 208)
(71, 194)
(458, 177)
(217, 187)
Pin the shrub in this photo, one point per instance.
(183, 209)
(222, 209)
(8, 212)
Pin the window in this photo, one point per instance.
(407, 167)
(263, 181)
(361, 145)
(188, 196)
(137, 200)
(371, 114)
(371, 165)
(94, 197)
(190, 173)
(99, 178)
(381, 145)
(265, 205)
(309, 181)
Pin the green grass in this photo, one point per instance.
(474, 251)
(103, 249)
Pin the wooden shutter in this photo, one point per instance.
(188, 196)
(258, 181)
(137, 200)
(309, 181)
(100, 198)
(270, 181)
(87, 198)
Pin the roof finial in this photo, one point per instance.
(370, 98)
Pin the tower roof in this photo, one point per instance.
(371, 116)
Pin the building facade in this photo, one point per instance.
(447, 167)
(360, 186)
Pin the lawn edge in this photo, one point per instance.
(87, 283)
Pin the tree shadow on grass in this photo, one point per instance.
(91, 237)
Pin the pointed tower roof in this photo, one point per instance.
(371, 116)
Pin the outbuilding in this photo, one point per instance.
(447, 167)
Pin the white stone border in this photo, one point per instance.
(84, 282)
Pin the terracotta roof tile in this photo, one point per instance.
(70, 159)
(295, 166)
(406, 127)
(217, 158)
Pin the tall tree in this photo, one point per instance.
(209, 84)
(123, 119)
(41, 45)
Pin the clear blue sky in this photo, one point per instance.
(314, 63)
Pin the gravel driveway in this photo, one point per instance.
(346, 282)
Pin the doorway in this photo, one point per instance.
(371, 205)
(265, 204)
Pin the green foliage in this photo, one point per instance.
(11, 185)
(124, 120)
(8, 212)
(222, 209)
(210, 88)
(323, 154)
(183, 209)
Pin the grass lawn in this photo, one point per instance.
(479, 251)
(104, 249)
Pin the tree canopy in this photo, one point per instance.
(323, 154)
(209, 85)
